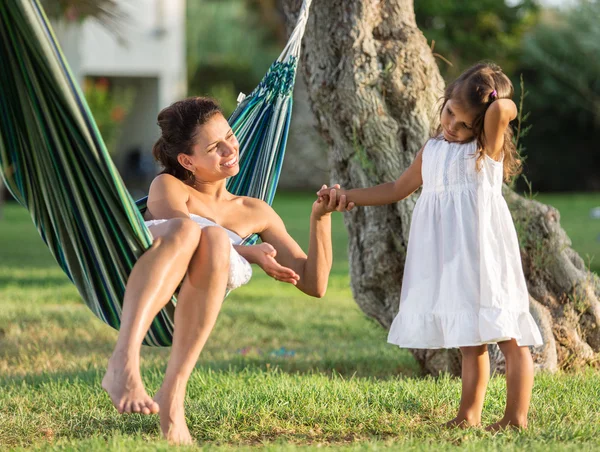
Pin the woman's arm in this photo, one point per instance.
(387, 193)
(313, 269)
(496, 120)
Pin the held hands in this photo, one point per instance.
(331, 199)
(264, 257)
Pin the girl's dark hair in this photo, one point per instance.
(179, 126)
(473, 89)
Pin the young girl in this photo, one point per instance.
(463, 281)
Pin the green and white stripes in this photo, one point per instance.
(54, 162)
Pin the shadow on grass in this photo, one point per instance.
(33, 282)
(361, 367)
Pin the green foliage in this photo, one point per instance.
(562, 53)
(229, 49)
(468, 31)
(109, 105)
(561, 64)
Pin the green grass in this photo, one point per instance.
(281, 370)
(583, 230)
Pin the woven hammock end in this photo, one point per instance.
(240, 98)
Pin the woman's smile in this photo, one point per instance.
(231, 162)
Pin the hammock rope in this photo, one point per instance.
(54, 161)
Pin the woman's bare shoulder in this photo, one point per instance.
(168, 186)
(257, 211)
(167, 182)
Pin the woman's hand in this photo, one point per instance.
(331, 199)
(264, 257)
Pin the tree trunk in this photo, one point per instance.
(374, 87)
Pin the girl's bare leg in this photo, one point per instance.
(475, 376)
(519, 384)
(198, 306)
(152, 281)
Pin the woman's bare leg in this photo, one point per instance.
(475, 375)
(151, 283)
(198, 306)
(519, 384)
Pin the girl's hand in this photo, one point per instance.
(265, 259)
(331, 199)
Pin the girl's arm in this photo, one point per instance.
(496, 120)
(387, 193)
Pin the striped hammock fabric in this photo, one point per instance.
(54, 162)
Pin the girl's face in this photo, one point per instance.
(456, 122)
(216, 152)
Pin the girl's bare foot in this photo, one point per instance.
(462, 422)
(123, 384)
(172, 419)
(505, 423)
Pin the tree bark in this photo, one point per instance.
(374, 88)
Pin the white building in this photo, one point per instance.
(145, 51)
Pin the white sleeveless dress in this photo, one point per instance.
(240, 270)
(463, 280)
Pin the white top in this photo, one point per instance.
(463, 281)
(240, 271)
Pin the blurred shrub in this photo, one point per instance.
(230, 46)
(109, 105)
(561, 66)
(468, 31)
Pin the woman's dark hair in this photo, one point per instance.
(179, 124)
(474, 89)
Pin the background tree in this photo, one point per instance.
(374, 85)
(230, 45)
(107, 12)
(472, 30)
(561, 65)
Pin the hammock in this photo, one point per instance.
(54, 162)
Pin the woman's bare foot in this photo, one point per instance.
(462, 422)
(505, 423)
(123, 384)
(172, 419)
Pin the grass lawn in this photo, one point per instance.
(575, 218)
(282, 371)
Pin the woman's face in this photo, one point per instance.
(456, 122)
(216, 151)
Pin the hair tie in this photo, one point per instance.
(493, 95)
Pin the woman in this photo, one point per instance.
(194, 220)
